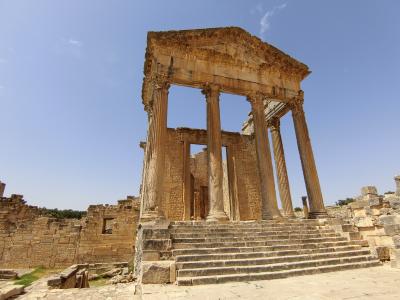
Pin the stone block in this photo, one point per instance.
(151, 255)
(396, 242)
(394, 202)
(11, 291)
(157, 272)
(359, 212)
(383, 253)
(389, 220)
(392, 229)
(157, 244)
(363, 222)
(385, 241)
(359, 204)
(374, 201)
(369, 190)
(395, 258)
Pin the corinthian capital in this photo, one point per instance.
(160, 81)
(297, 104)
(256, 98)
(211, 91)
(274, 123)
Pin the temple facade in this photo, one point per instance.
(215, 61)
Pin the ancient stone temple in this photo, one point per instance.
(216, 61)
(177, 188)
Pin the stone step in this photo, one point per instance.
(246, 255)
(274, 275)
(271, 267)
(245, 249)
(247, 223)
(251, 237)
(239, 226)
(269, 242)
(239, 232)
(268, 260)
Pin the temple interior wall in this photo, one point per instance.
(29, 239)
(242, 154)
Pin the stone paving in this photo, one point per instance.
(107, 292)
(370, 283)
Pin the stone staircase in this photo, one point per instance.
(208, 253)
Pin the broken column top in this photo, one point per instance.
(369, 191)
(2, 188)
(397, 180)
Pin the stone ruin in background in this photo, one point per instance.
(376, 218)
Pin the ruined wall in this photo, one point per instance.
(377, 219)
(247, 178)
(99, 244)
(242, 169)
(28, 239)
(172, 204)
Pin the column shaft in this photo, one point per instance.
(269, 204)
(280, 167)
(214, 152)
(317, 208)
(187, 195)
(155, 152)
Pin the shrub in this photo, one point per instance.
(344, 202)
(298, 209)
(62, 213)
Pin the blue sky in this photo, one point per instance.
(70, 86)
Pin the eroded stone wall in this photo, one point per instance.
(242, 171)
(99, 244)
(377, 219)
(29, 239)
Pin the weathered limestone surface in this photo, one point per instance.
(29, 239)
(377, 219)
(243, 162)
(221, 60)
(397, 180)
(174, 187)
(158, 272)
(268, 195)
(214, 150)
(2, 188)
(155, 150)
(280, 166)
(317, 208)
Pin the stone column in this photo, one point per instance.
(317, 208)
(155, 151)
(186, 181)
(2, 188)
(280, 166)
(269, 204)
(305, 207)
(397, 180)
(214, 155)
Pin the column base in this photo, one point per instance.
(218, 216)
(149, 216)
(271, 217)
(290, 216)
(318, 215)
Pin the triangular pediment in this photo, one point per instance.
(231, 44)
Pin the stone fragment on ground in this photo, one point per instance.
(9, 289)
